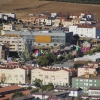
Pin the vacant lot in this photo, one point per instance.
(34, 6)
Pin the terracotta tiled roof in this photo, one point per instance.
(9, 88)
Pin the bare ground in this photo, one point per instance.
(21, 7)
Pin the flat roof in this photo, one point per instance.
(51, 93)
(43, 32)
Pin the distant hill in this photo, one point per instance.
(21, 7)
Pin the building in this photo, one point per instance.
(4, 50)
(10, 27)
(46, 94)
(85, 30)
(86, 81)
(57, 76)
(25, 97)
(90, 69)
(94, 58)
(16, 43)
(93, 93)
(7, 92)
(13, 75)
(44, 37)
(73, 92)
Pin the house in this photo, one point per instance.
(93, 93)
(49, 94)
(10, 27)
(73, 92)
(25, 97)
(57, 76)
(7, 92)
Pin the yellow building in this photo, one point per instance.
(57, 76)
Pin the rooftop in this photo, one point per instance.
(50, 93)
(90, 77)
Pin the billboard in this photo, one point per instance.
(43, 39)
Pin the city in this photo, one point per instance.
(49, 56)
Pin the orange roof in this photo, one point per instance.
(9, 88)
(9, 96)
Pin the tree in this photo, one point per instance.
(29, 88)
(69, 56)
(79, 98)
(77, 65)
(38, 83)
(47, 59)
(34, 90)
(76, 37)
(18, 94)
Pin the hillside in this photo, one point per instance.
(35, 6)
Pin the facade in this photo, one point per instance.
(83, 70)
(13, 75)
(86, 81)
(4, 50)
(16, 43)
(44, 37)
(73, 92)
(9, 27)
(85, 30)
(57, 76)
(93, 93)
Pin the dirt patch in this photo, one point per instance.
(21, 7)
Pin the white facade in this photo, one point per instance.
(16, 75)
(16, 43)
(74, 93)
(57, 77)
(91, 32)
(9, 27)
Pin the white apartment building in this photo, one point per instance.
(16, 43)
(57, 76)
(84, 30)
(9, 27)
(13, 75)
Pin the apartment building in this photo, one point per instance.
(85, 30)
(86, 81)
(16, 43)
(57, 76)
(13, 75)
(10, 27)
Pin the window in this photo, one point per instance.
(76, 79)
(95, 81)
(81, 80)
(90, 80)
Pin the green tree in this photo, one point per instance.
(18, 94)
(77, 65)
(47, 59)
(29, 88)
(38, 83)
(69, 56)
(34, 90)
